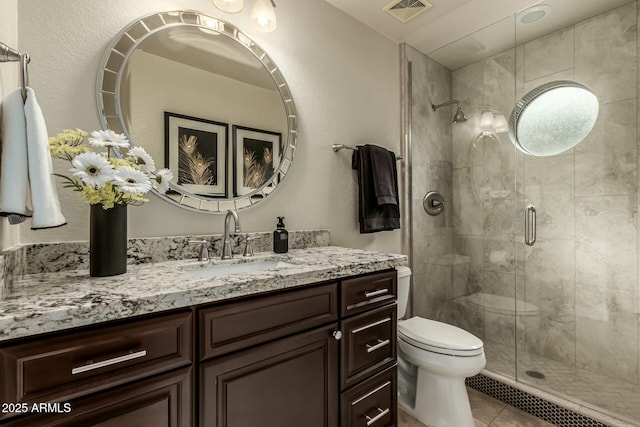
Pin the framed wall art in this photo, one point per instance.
(256, 156)
(196, 151)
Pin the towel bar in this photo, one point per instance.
(338, 147)
(8, 54)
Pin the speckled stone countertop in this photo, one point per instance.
(47, 302)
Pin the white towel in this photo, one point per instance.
(26, 167)
(14, 167)
(44, 197)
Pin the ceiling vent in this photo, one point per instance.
(405, 10)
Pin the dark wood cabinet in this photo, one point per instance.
(372, 403)
(162, 401)
(321, 355)
(68, 365)
(368, 361)
(369, 344)
(289, 382)
(236, 325)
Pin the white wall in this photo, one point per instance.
(9, 75)
(344, 79)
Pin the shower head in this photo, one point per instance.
(459, 116)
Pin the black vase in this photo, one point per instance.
(108, 241)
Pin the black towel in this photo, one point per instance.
(379, 207)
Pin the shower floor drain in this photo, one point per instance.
(536, 375)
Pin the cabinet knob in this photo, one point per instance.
(337, 335)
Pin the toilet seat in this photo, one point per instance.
(439, 337)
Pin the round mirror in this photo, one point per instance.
(203, 100)
(553, 118)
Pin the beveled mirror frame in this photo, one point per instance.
(110, 75)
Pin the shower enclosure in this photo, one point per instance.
(562, 315)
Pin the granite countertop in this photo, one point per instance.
(47, 302)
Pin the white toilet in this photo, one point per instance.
(434, 359)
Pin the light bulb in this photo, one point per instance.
(229, 6)
(263, 16)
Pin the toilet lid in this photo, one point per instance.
(439, 337)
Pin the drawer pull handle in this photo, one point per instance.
(371, 325)
(379, 345)
(115, 360)
(381, 413)
(375, 293)
(371, 393)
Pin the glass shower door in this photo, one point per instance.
(483, 196)
(577, 285)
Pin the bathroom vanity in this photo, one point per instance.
(310, 344)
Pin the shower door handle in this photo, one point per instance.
(530, 225)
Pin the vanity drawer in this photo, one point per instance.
(70, 365)
(369, 344)
(366, 292)
(372, 403)
(233, 326)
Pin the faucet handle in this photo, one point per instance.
(248, 249)
(203, 254)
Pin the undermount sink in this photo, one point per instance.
(245, 267)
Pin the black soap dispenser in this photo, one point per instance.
(280, 238)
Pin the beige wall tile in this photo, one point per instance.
(497, 70)
(548, 54)
(608, 346)
(606, 241)
(606, 161)
(605, 54)
(467, 200)
(549, 186)
(499, 255)
(499, 217)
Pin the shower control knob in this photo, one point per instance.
(337, 335)
(433, 203)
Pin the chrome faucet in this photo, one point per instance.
(226, 247)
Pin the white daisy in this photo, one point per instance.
(108, 138)
(142, 159)
(92, 168)
(163, 177)
(132, 181)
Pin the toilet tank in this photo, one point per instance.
(404, 279)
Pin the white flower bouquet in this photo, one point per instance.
(102, 178)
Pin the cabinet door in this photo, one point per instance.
(161, 401)
(291, 382)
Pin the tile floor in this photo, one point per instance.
(487, 411)
(598, 391)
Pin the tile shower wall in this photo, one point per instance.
(431, 171)
(581, 277)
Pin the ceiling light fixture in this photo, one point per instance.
(229, 6)
(263, 15)
(534, 14)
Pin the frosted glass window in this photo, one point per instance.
(553, 118)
